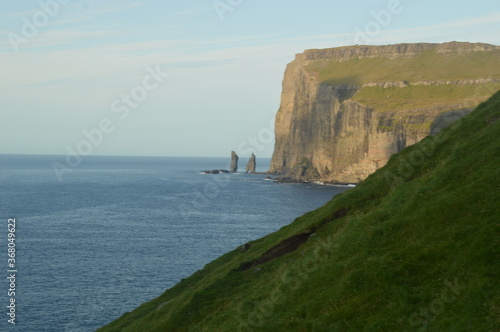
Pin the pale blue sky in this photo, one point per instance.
(224, 76)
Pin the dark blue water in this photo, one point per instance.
(119, 231)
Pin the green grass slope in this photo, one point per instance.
(415, 247)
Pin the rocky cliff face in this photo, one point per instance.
(251, 165)
(234, 162)
(339, 129)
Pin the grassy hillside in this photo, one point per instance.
(427, 66)
(415, 247)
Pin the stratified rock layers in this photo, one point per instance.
(324, 133)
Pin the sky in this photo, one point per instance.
(185, 78)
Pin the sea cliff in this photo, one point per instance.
(345, 111)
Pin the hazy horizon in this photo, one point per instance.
(228, 157)
(165, 78)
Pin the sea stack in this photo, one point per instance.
(234, 162)
(251, 164)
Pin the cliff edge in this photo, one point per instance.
(344, 111)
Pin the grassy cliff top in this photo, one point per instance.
(414, 247)
(427, 65)
(432, 75)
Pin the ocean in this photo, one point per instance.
(119, 231)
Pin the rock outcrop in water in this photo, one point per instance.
(251, 164)
(345, 111)
(216, 171)
(234, 162)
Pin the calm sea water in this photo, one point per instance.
(119, 231)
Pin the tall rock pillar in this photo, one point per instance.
(251, 164)
(234, 162)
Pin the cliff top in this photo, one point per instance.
(409, 63)
(392, 51)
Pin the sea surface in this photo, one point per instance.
(119, 231)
